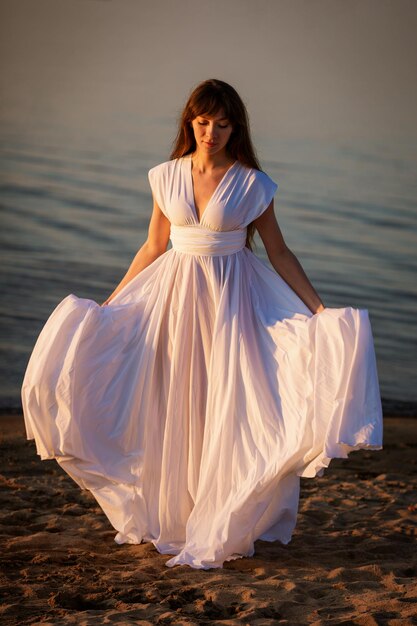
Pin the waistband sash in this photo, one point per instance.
(198, 240)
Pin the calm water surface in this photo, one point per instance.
(73, 216)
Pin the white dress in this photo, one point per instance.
(191, 405)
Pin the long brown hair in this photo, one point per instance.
(207, 99)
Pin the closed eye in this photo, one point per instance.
(220, 125)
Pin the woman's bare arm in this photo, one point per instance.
(155, 245)
(284, 261)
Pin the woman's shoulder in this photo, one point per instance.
(164, 166)
(255, 177)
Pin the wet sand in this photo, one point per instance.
(352, 559)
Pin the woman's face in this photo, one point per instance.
(212, 132)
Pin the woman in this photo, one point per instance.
(193, 401)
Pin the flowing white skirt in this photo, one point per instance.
(191, 405)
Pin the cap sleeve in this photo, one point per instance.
(156, 177)
(260, 194)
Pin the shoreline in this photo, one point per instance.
(390, 408)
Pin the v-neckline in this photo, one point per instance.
(189, 171)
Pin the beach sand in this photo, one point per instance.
(352, 559)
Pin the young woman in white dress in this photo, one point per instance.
(194, 398)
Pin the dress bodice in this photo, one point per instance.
(242, 195)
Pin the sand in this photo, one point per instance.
(352, 559)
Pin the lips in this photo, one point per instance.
(210, 144)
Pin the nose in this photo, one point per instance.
(210, 131)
